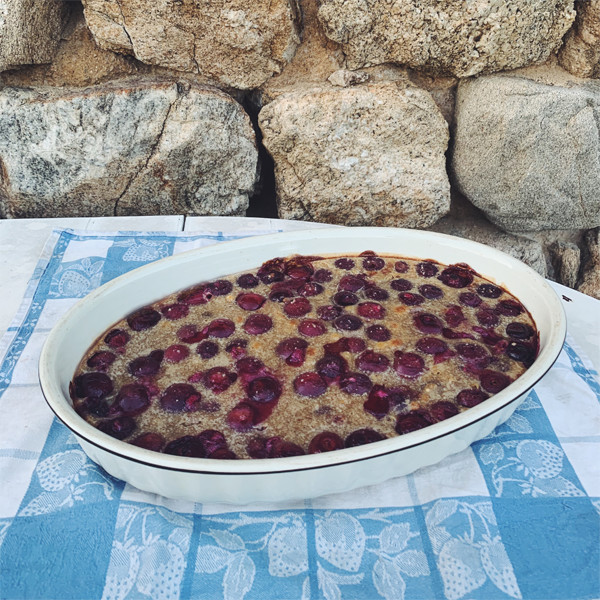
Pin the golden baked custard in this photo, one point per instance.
(306, 354)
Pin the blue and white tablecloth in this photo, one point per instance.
(515, 516)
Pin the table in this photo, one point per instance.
(514, 516)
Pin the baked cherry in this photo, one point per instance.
(312, 327)
(264, 389)
(250, 301)
(351, 283)
(280, 295)
(101, 361)
(344, 263)
(426, 269)
(345, 298)
(520, 352)
(347, 323)
(322, 275)
(241, 417)
(187, 445)
(249, 365)
(150, 441)
(470, 351)
(372, 362)
(428, 323)
(431, 292)
(456, 277)
(247, 281)
(176, 353)
(488, 290)
(355, 383)
(198, 294)
(451, 334)
(373, 263)
(292, 350)
(412, 422)
(222, 454)
(220, 328)
(271, 272)
(212, 440)
(471, 397)
(401, 285)
(401, 266)
(116, 338)
(311, 288)
(119, 428)
(378, 402)
(175, 311)
(375, 293)
(221, 287)
(218, 379)
(408, 364)
(146, 365)
(310, 385)
(190, 334)
(487, 317)
(298, 307)
(144, 318)
(131, 400)
(470, 299)
(410, 299)
(180, 397)
(329, 312)
(454, 315)
(207, 349)
(371, 310)
(519, 331)
(509, 308)
(432, 345)
(442, 410)
(257, 324)
(360, 437)
(331, 366)
(378, 333)
(236, 348)
(325, 441)
(93, 385)
(493, 381)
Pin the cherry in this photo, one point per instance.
(371, 310)
(297, 307)
(222, 454)
(311, 327)
(237, 348)
(119, 428)
(273, 447)
(221, 287)
(454, 315)
(331, 366)
(410, 299)
(93, 385)
(372, 362)
(450, 334)
(249, 365)
(488, 290)
(378, 333)
(264, 389)
(257, 324)
(212, 440)
(344, 263)
(172, 312)
(470, 351)
(101, 361)
(442, 410)
(426, 269)
(198, 294)
(521, 353)
(93, 406)
(325, 441)
(519, 331)
(431, 345)
(176, 353)
(431, 292)
(351, 283)
(218, 379)
(329, 312)
(509, 308)
(376, 293)
(207, 349)
(347, 323)
(373, 263)
(149, 441)
(408, 364)
(471, 397)
(428, 323)
(456, 277)
(131, 400)
(401, 266)
(293, 350)
(116, 338)
(345, 344)
(144, 318)
(241, 417)
(220, 328)
(301, 271)
(311, 288)
(360, 437)
(250, 301)
(146, 365)
(180, 397)
(310, 385)
(487, 317)
(355, 383)
(378, 402)
(247, 281)
(493, 381)
(271, 272)
(345, 298)
(187, 445)
(401, 285)
(470, 299)
(190, 334)
(280, 295)
(322, 275)
(412, 422)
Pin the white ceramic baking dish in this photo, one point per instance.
(279, 479)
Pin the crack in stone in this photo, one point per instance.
(123, 25)
(150, 154)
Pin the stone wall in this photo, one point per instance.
(478, 119)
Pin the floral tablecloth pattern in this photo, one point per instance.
(517, 515)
